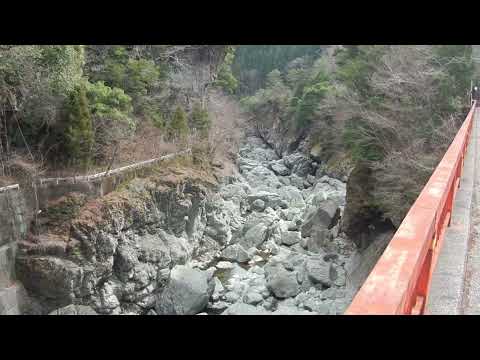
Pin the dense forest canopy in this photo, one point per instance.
(253, 62)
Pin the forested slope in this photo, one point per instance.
(382, 115)
(78, 106)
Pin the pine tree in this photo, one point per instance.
(79, 135)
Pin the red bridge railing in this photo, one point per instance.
(399, 282)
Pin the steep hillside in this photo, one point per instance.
(75, 108)
(386, 112)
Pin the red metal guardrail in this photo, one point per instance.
(399, 282)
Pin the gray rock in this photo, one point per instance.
(235, 191)
(290, 237)
(108, 299)
(219, 289)
(299, 163)
(252, 252)
(284, 181)
(258, 205)
(255, 236)
(260, 175)
(320, 271)
(252, 298)
(317, 240)
(279, 168)
(125, 261)
(292, 196)
(293, 226)
(296, 181)
(282, 283)
(224, 265)
(257, 270)
(270, 199)
(223, 217)
(244, 309)
(218, 306)
(232, 296)
(291, 214)
(318, 306)
(50, 277)
(304, 242)
(268, 304)
(186, 293)
(235, 252)
(325, 216)
(330, 293)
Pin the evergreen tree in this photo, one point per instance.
(79, 135)
(226, 79)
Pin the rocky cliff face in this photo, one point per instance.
(119, 248)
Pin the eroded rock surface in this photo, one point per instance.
(263, 241)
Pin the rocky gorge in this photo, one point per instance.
(264, 240)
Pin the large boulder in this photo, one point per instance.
(320, 271)
(252, 297)
(255, 230)
(282, 283)
(51, 278)
(258, 205)
(235, 191)
(223, 217)
(299, 163)
(186, 293)
(235, 253)
(262, 176)
(326, 189)
(255, 236)
(318, 239)
(270, 199)
(279, 168)
(325, 216)
(292, 196)
(290, 237)
(107, 302)
(297, 182)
